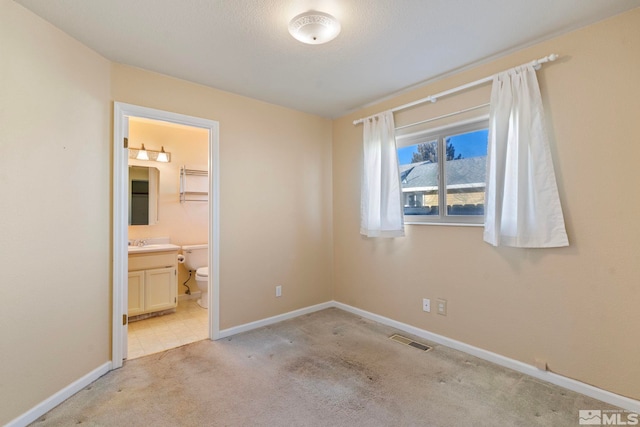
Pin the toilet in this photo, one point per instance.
(196, 258)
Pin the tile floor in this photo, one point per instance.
(188, 324)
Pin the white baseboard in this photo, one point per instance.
(275, 319)
(194, 295)
(52, 401)
(559, 380)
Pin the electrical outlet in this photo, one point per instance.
(426, 305)
(442, 306)
(279, 291)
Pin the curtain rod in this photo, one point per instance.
(433, 98)
(444, 116)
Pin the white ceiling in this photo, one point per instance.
(386, 46)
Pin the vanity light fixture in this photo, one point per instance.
(144, 154)
(314, 27)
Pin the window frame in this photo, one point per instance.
(439, 134)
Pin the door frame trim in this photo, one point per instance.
(121, 113)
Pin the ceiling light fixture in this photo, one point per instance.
(314, 27)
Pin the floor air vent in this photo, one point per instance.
(409, 342)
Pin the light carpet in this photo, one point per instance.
(329, 368)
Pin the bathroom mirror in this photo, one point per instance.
(143, 195)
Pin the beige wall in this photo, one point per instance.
(275, 194)
(575, 308)
(54, 204)
(184, 223)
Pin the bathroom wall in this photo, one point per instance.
(574, 308)
(184, 223)
(55, 203)
(275, 193)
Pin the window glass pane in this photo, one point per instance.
(419, 176)
(466, 158)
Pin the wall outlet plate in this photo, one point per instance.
(426, 305)
(442, 306)
(279, 290)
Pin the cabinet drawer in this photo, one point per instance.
(148, 261)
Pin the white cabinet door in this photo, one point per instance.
(160, 289)
(136, 292)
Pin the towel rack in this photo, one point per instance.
(194, 185)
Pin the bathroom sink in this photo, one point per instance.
(159, 247)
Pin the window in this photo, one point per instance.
(449, 191)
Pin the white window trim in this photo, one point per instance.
(476, 123)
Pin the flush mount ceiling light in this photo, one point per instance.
(314, 27)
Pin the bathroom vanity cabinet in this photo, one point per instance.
(153, 282)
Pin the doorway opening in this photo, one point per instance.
(131, 119)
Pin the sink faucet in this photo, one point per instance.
(141, 242)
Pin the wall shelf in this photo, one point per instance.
(194, 185)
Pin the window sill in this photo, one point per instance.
(456, 224)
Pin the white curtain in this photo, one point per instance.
(522, 206)
(381, 213)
